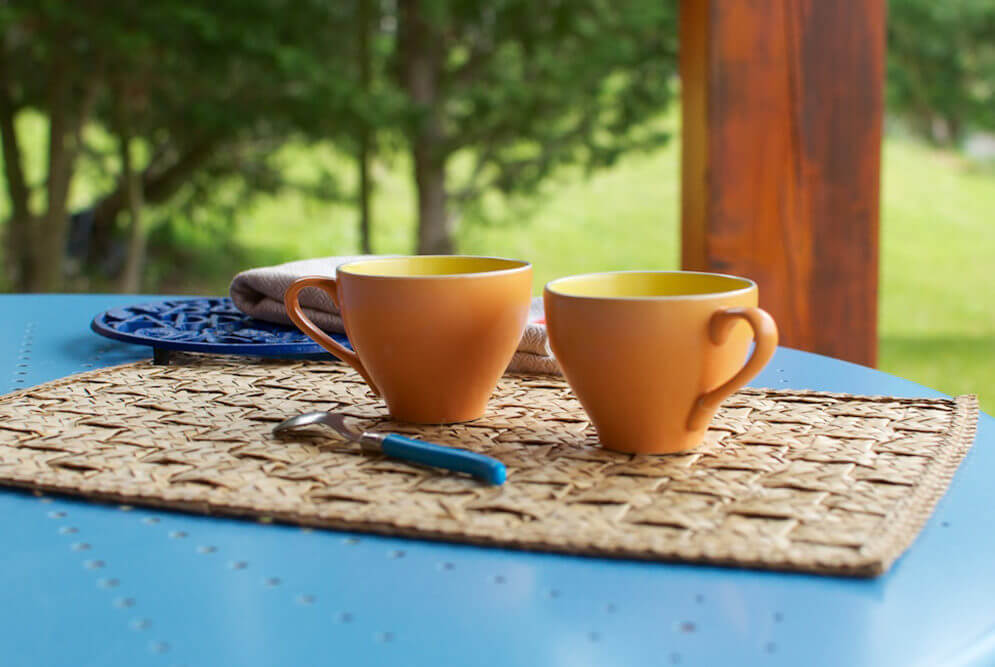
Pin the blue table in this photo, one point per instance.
(88, 584)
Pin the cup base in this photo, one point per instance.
(429, 420)
(679, 445)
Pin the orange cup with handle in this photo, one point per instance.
(652, 354)
(430, 334)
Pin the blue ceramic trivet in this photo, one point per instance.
(211, 325)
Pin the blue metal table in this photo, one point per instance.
(89, 584)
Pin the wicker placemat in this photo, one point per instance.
(817, 482)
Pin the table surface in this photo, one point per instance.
(91, 584)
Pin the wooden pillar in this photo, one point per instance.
(782, 108)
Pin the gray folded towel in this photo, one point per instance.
(259, 293)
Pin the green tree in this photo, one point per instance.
(526, 87)
(197, 95)
(941, 66)
(207, 89)
(69, 87)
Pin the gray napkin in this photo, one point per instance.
(259, 293)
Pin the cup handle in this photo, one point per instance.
(765, 334)
(292, 302)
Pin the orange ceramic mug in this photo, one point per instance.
(431, 334)
(652, 354)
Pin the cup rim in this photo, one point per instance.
(522, 265)
(750, 285)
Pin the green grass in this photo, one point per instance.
(623, 218)
(937, 322)
(937, 318)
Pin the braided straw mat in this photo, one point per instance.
(815, 482)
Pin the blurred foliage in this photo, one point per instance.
(209, 91)
(941, 66)
(527, 86)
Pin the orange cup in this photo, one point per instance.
(431, 334)
(652, 354)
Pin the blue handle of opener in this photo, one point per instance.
(486, 468)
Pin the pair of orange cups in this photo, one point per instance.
(649, 354)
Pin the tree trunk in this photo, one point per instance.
(365, 190)
(131, 278)
(17, 247)
(434, 233)
(422, 69)
(50, 243)
(65, 130)
(365, 148)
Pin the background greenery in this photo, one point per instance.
(253, 138)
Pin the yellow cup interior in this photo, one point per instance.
(647, 284)
(431, 265)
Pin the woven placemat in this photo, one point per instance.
(809, 481)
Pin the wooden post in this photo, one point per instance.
(782, 108)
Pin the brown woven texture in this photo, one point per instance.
(808, 481)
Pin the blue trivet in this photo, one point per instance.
(210, 325)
